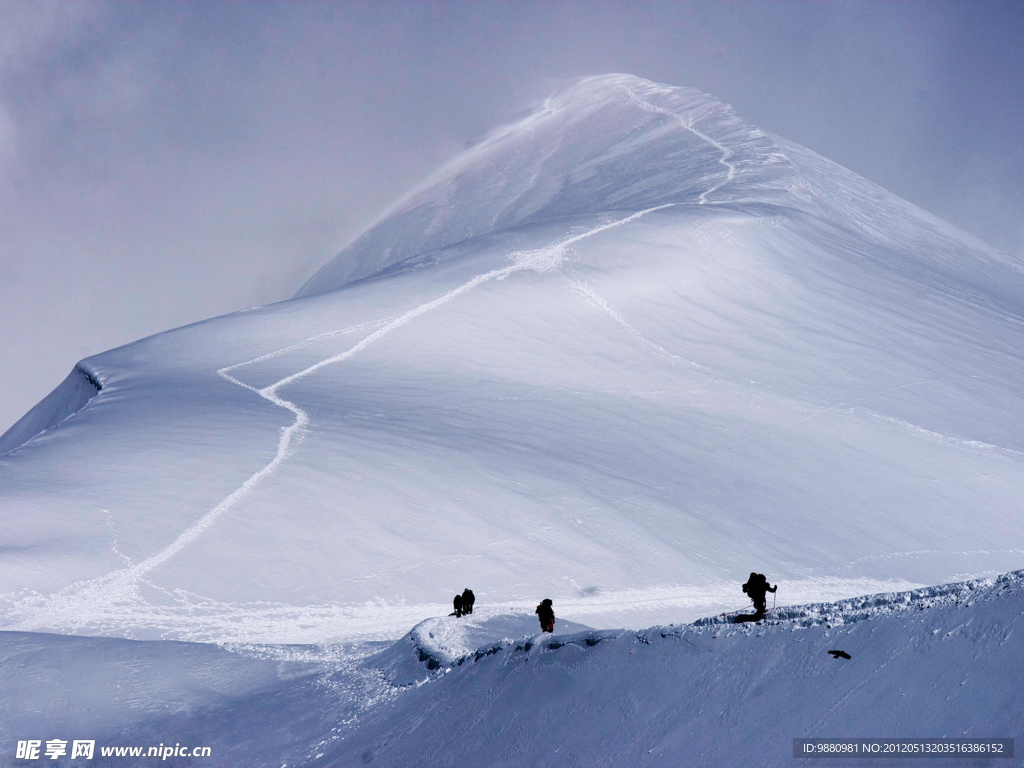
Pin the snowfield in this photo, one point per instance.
(942, 661)
(489, 690)
(619, 354)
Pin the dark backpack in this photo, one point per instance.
(546, 612)
(757, 583)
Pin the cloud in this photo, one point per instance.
(8, 133)
(29, 29)
(32, 31)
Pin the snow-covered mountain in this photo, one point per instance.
(620, 354)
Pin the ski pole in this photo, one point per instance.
(774, 595)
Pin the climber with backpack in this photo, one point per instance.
(756, 589)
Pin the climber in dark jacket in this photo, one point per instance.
(756, 588)
(546, 614)
(468, 598)
(457, 603)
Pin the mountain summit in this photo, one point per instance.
(606, 144)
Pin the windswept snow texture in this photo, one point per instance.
(492, 691)
(577, 155)
(620, 354)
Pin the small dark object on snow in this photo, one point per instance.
(745, 617)
(468, 598)
(457, 602)
(839, 654)
(547, 616)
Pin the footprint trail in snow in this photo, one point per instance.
(726, 153)
(114, 600)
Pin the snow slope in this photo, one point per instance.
(619, 354)
(489, 690)
(938, 662)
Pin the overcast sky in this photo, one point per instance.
(161, 163)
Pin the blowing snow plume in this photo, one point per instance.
(576, 155)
